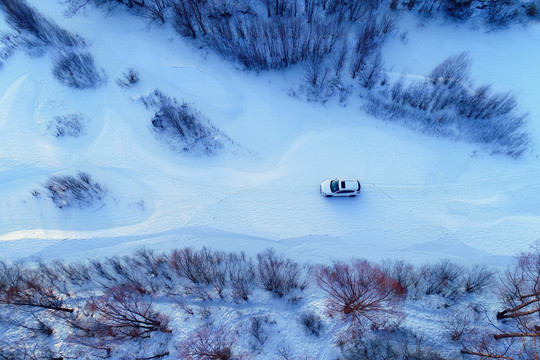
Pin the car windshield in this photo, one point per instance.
(334, 186)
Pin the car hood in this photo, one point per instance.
(325, 187)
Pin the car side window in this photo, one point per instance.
(345, 191)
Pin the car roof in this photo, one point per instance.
(349, 184)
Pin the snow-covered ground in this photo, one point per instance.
(422, 198)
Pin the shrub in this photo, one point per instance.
(206, 270)
(311, 322)
(372, 72)
(241, 273)
(403, 272)
(477, 279)
(257, 330)
(67, 125)
(190, 130)
(25, 350)
(154, 270)
(362, 294)
(124, 313)
(461, 322)
(444, 278)
(278, 274)
(77, 70)
(121, 323)
(193, 265)
(452, 71)
(257, 42)
(128, 79)
(397, 345)
(209, 343)
(74, 191)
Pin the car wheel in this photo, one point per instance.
(326, 195)
(352, 195)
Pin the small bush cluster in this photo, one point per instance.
(36, 33)
(35, 28)
(445, 278)
(32, 31)
(493, 14)
(447, 104)
(396, 345)
(208, 274)
(274, 36)
(67, 125)
(118, 306)
(74, 191)
(108, 303)
(77, 70)
(189, 130)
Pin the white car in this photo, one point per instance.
(340, 188)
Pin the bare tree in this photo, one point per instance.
(517, 338)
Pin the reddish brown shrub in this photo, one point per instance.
(361, 293)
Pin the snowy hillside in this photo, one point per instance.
(424, 198)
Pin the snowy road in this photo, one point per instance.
(418, 216)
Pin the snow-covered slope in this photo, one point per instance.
(422, 198)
